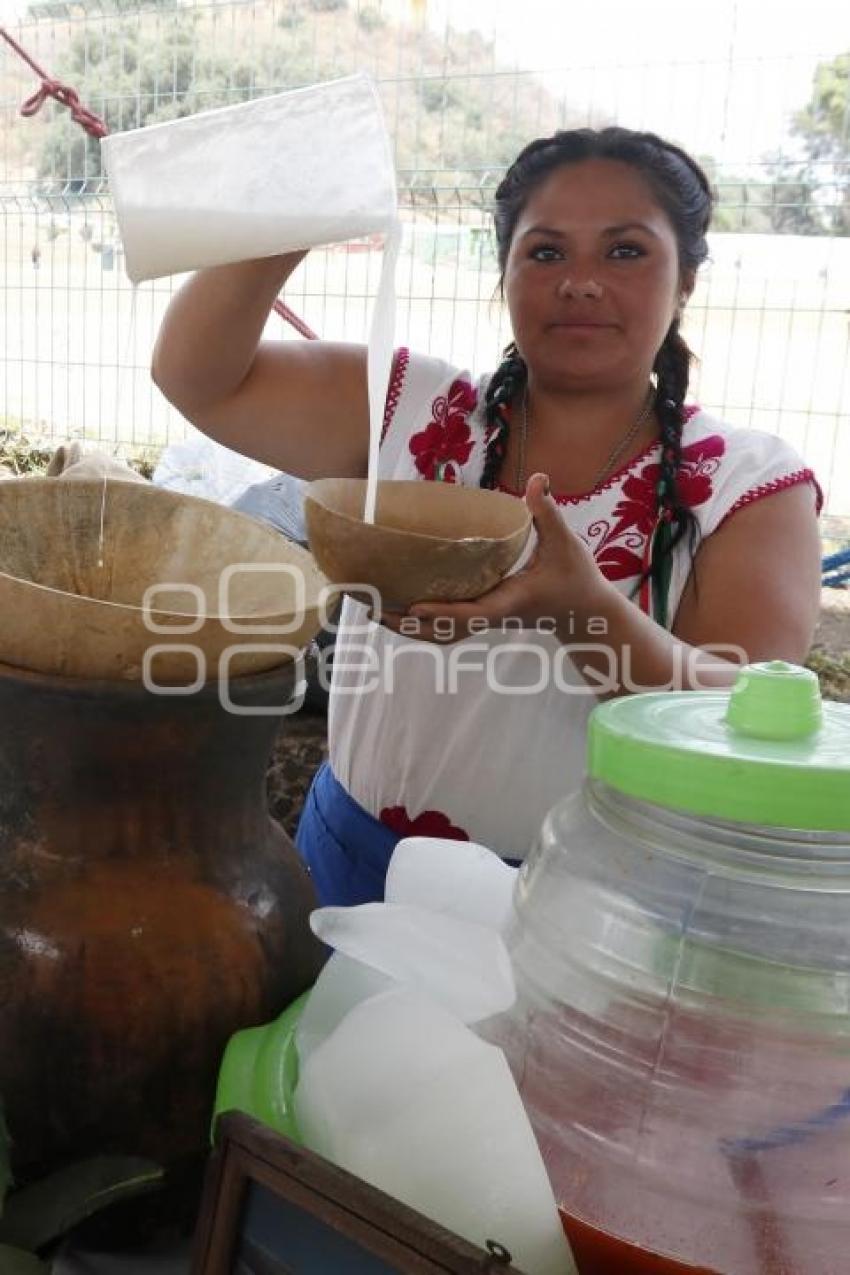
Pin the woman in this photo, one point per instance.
(660, 531)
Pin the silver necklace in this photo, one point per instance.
(616, 452)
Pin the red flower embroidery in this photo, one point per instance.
(616, 562)
(635, 514)
(693, 478)
(431, 823)
(638, 508)
(446, 442)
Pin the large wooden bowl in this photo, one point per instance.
(433, 541)
(75, 603)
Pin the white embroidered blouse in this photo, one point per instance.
(480, 738)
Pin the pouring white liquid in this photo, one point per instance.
(380, 361)
(278, 174)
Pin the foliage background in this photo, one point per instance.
(456, 109)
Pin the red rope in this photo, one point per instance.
(60, 93)
(95, 127)
(293, 320)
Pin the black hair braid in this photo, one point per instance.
(505, 387)
(676, 519)
(671, 367)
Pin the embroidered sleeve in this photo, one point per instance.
(443, 447)
(751, 466)
(401, 359)
(426, 430)
(792, 479)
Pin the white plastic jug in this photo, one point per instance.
(408, 1098)
(295, 170)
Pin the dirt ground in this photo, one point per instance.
(299, 751)
(833, 631)
(830, 655)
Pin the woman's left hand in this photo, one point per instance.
(559, 583)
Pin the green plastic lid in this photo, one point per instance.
(259, 1073)
(767, 752)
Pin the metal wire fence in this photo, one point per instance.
(770, 319)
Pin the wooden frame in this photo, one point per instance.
(271, 1207)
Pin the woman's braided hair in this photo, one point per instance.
(682, 190)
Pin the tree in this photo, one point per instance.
(823, 126)
(138, 76)
(450, 115)
(824, 123)
(793, 194)
(780, 202)
(75, 8)
(803, 194)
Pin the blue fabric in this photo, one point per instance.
(346, 849)
(835, 570)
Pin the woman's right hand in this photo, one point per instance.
(300, 406)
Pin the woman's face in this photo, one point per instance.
(592, 278)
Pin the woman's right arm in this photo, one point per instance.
(301, 406)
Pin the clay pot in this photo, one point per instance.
(149, 908)
(75, 603)
(429, 541)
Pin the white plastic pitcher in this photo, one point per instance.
(308, 167)
(296, 170)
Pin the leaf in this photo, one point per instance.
(15, 1261)
(45, 1210)
(618, 563)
